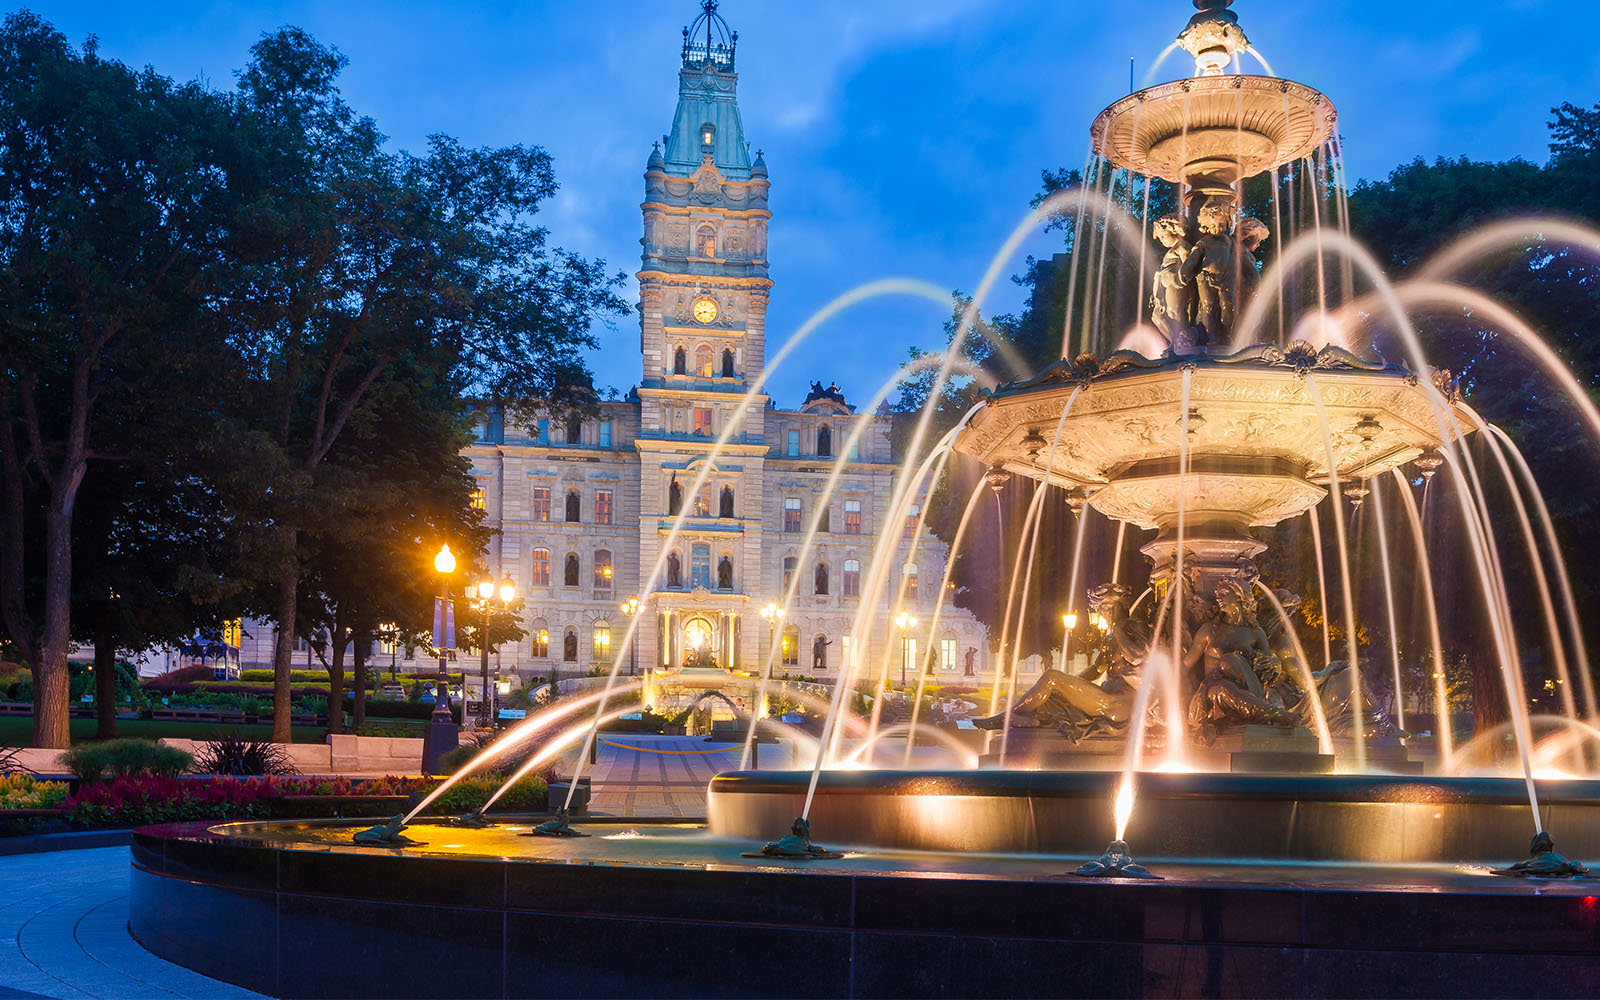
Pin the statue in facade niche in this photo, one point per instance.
(1209, 267)
(1241, 679)
(1077, 705)
(1171, 300)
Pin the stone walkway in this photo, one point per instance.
(64, 933)
(661, 776)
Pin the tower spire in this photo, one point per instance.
(709, 41)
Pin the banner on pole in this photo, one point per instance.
(444, 624)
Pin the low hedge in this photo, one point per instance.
(120, 758)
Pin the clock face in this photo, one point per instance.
(705, 309)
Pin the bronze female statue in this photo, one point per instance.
(1234, 654)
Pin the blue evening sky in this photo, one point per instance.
(904, 137)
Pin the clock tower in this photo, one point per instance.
(703, 290)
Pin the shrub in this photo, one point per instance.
(183, 675)
(458, 758)
(21, 791)
(236, 755)
(90, 761)
(528, 795)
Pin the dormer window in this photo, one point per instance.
(706, 236)
(708, 134)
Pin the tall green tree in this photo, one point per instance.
(370, 258)
(114, 200)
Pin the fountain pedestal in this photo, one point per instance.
(1050, 750)
(1384, 754)
(1264, 750)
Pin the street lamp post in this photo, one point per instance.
(442, 735)
(630, 607)
(486, 591)
(906, 622)
(773, 614)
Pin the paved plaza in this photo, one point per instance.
(64, 914)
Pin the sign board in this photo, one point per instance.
(513, 713)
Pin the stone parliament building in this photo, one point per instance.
(583, 509)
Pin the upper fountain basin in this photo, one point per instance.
(1256, 449)
(1211, 131)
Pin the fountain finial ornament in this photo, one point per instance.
(1213, 36)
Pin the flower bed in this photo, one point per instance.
(140, 800)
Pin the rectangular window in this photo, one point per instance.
(605, 433)
(844, 653)
(386, 647)
(702, 422)
(700, 566)
(789, 564)
(541, 503)
(826, 524)
(855, 450)
(852, 517)
(911, 522)
(479, 498)
(540, 577)
(794, 444)
(911, 665)
(544, 430)
(852, 578)
(602, 569)
(791, 513)
(947, 654)
(602, 506)
(911, 581)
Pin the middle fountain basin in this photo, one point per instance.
(1202, 816)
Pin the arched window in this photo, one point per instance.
(911, 580)
(789, 563)
(570, 577)
(540, 635)
(540, 575)
(569, 646)
(602, 569)
(725, 574)
(791, 646)
(819, 652)
(674, 571)
(824, 442)
(680, 362)
(573, 503)
(852, 578)
(602, 641)
(727, 362)
(725, 508)
(702, 361)
(674, 496)
(821, 579)
(574, 431)
(706, 240)
(700, 565)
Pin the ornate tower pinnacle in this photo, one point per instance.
(708, 41)
(1213, 36)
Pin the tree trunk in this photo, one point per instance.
(1490, 706)
(283, 652)
(336, 680)
(105, 685)
(51, 722)
(363, 642)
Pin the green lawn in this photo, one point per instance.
(17, 730)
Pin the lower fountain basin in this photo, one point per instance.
(667, 909)
(1236, 817)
